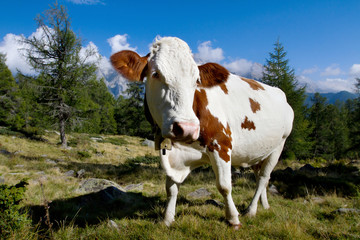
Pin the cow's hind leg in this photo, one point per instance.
(172, 190)
(263, 196)
(262, 180)
(222, 171)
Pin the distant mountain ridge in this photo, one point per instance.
(117, 85)
(331, 97)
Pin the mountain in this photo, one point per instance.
(331, 97)
(114, 81)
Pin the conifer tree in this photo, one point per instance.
(8, 95)
(129, 113)
(279, 74)
(63, 70)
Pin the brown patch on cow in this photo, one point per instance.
(255, 106)
(130, 64)
(213, 134)
(213, 74)
(247, 124)
(253, 84)
(224, 88)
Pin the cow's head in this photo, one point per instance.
(172, 78)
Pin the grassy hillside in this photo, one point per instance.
(305, 208)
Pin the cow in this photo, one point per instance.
(207, 115)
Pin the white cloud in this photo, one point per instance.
(310, 70)
(332, 70)
(119, 43)
(86, 2)
(13, 47)
(208, 54)
(327, 85)
(355, 70)
(245, 67)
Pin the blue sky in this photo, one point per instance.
(322, 38)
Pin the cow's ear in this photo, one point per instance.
(212, 74)
(130, 64)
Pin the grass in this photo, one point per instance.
(293, 215)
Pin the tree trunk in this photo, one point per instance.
(62, 132)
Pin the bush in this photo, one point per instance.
(83, 154)
(12, 217)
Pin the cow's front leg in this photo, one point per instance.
(222, 171)
(172, 190)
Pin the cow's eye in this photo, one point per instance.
(155, 75)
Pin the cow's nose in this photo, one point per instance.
(186, 130)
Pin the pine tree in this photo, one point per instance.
(129, 112)
(353, 107)
(63, 72)
(8, 96)
(279, 74)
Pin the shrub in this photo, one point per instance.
(83, 154)
(12, 217)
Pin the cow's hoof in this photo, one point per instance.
(168, 222)
(249, 213)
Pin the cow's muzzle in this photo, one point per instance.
(185, 131)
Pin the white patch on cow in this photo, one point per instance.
(170, 96)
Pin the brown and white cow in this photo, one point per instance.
(210, 116)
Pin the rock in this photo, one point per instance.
(2, 180)
(18, 152)
(113, 224)
(148, 143)
(70, 173)
(5, 152)
(347, 210)
(51, 161)
(136, 187)
(80, 173)
(95, 184)
(101, 191)
(19, 166)
(317, 200)
(200, 193)
(40, 173)
(273, 190)
(308, 168)
(214, 202)
(96, 139)
(128, 150)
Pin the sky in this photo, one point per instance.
(321, 38)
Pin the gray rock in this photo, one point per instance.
(347, 210)
(44, 155)
(148, 143)
(40, 173)
(5, 152)
(19, 166)
(80, 173)
(101, 190)
(95, 184)
(200, 193)
(273, 190)
(128, 150)
(96, 139)
(136, 187)
(51, 161)
(214, 202)
(113, 224)
(70, 173)
(317, 200)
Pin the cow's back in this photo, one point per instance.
(258, 116)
